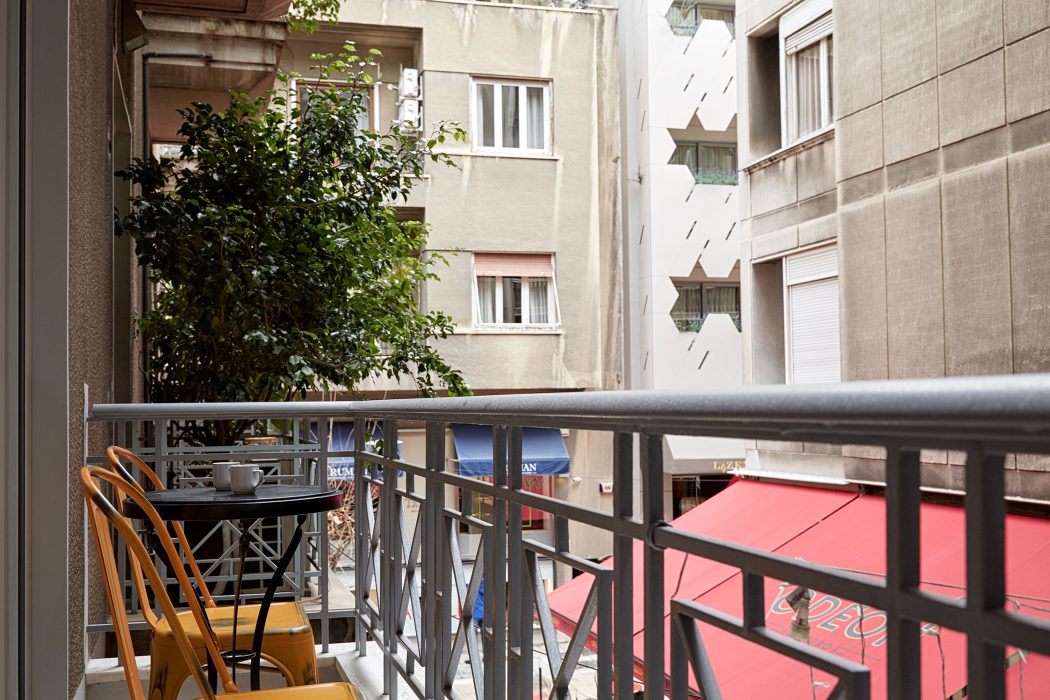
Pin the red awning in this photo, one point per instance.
(846, 531)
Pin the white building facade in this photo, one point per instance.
(682, 234)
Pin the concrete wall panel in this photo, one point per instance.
(1028, 77)
(967, 29)
(862, 290)
(914, 293)
(972, 99)
(817, 230)
(858, 81)
(1024, 17)
(976, 271)
(910, 122)
(859, 142)
(909, 57)
(816, 169)
(1029, 183)
(773, 186)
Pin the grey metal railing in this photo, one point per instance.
(409, 576)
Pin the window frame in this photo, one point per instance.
(695, 8)
(497, 116)
(554, 310)
(703, 286)
(698, 147)
(807, 15)
(371, 91)
(788, 283)
(536, 523)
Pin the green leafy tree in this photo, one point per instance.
(306, 15)
(278, 262)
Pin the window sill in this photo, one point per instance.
(517, 329)
(807, 142)
(508, 154)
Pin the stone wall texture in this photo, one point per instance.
(942, 165)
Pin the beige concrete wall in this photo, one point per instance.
(941, 162)
(563, 203)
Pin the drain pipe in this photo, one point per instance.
(205, 56)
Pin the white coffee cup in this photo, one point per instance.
(245, 478)
(220, 475)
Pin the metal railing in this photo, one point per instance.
(410, 577)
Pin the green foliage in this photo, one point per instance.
(279, 264)
(306, 15)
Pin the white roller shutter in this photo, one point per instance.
(812, 317)
(809, 34)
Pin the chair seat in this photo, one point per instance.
(285, 621)
(321, 691)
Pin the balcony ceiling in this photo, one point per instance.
(244, 53)
(240, 9)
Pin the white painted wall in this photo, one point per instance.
(676, 228)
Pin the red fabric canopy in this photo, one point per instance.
(846, 531)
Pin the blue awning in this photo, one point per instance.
(341, 439)
(542, 450)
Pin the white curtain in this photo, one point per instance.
(685, 154)
(511, 299)
(511, 117)
(486, 299)
(536, 136)
(722, 300)
(807, 90)
(486, 115)
(538, 307)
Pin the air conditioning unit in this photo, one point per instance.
(408, 113)
(408, 86)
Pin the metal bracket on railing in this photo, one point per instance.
(650, 534)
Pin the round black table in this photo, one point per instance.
(269, 500)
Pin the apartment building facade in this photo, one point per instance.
(528, 219)
(682, 234)
(894, 162)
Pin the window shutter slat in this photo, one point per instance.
(513, 265)
(801, 15)
(823, 262)
(807, 35)
(813, 318)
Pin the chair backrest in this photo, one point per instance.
(103, 515)
(114, 454)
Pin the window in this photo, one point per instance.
(710, 163)
(514, 289)
(511, 116)
(531, 518)
(806, 44)
(686, 15)
(367, 119)
(697, 300)
(811, 313)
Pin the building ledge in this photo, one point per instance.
(825, 134)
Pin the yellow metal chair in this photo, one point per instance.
(102, 517)
(288, 642)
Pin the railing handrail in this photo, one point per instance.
(1012, 409)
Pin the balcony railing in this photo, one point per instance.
(412, 586)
